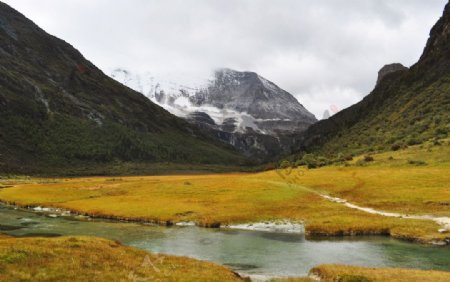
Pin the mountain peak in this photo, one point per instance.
(253, 94)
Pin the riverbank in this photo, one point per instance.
(94, 259)
(276, 226)
(332, 273)
(64, 259)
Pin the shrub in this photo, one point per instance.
(368, 159)
(285, 164)
(440, 132)
(310, 161)
(299, 162)
(396, 147)
(349, 158)
(417, 162)
(413, 141)
(339, 158)
(312, 165)
(322, 161)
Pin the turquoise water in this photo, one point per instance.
(246, 252)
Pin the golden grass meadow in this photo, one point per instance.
(219, 199)
(94, 259)
(332, 273)
(392, 182)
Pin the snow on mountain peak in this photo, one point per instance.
(246, 99)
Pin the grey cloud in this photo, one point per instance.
(324, 52)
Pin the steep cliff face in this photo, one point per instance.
(407, 106)
(56, 107)
(438, 44)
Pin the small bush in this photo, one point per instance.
(396, 147)
(368, 159)
(322, 161)
(299, 163)
(285, 164)
(413, 141)
(417, 162)
(312, 165)
(310, 161)
(441, 132)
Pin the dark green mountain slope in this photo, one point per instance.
(406, 106)
(58, 110)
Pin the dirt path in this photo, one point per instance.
(442, 221)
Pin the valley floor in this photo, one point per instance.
(392, 183)
(412, 182)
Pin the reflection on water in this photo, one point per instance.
(245, 251)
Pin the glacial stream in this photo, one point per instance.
(247, 252)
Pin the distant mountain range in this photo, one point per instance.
(240, 108)
(59, 112)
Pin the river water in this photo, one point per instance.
(247, 252)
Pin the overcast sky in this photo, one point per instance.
(325, 52)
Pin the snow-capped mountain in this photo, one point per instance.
(229, 100)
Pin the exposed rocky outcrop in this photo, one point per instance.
(388, 69)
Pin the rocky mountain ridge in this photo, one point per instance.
(240, 108)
